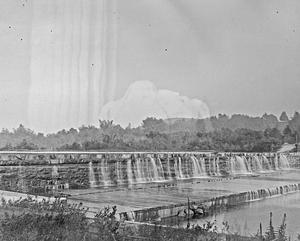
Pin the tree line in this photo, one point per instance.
(239, 133)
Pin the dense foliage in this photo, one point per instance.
(222, 133)
(29, 220)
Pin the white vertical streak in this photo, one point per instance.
(113, 41)
(66, 65)
(84, 62)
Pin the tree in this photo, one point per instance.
(296, 115)
(153, 124)
(43, 221)
(105, 124)
(284, 116)
(107, 224)
(288, 135)
(270, 120)
(294, 124)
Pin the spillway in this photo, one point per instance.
(37, 172)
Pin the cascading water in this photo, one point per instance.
(197, 168)
(232, 165)
(284, 162)
(180, 168)
(240, 166)
(266, 162)
(248, 164)
(139, 174)
(203, 166)
(119, 172)
(160, 169)
(156, 168)
(169, 169)
(104, 172)
(148, 172)
(129, 172)
(216, 167)
(213, 168)
(276, 162)
(92, 178)
(258, 163)
(176, 168)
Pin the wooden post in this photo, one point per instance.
(188, 225)
(260, 230)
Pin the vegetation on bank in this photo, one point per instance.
(223, 133)
(29, 220)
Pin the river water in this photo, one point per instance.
(245, 219)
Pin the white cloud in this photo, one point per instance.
(142, 99)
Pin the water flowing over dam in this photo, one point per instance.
(45, 171)
(145, 168)
(212, 205)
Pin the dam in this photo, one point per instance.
(42, 172)
(151, 186)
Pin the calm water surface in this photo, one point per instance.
(245, 219)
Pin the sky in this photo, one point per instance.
(236, 56)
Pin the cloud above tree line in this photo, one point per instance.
(142, 99)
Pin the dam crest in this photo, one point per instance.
(48, 171)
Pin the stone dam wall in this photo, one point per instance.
(51, 172)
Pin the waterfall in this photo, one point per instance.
(139, 174)
(240, 198)
(217, 162)
(92, 178)
(129, 172)
(154, 168)
(213, 168)
(176, 168)
(169, 169)
(199, 167)
(232, 165)
(238, 165)
(284, 162)
(258, 163)
(196, 167)
(148, 173)
(276, 162)
(242, 166)
(180, 168)
(119, 172)
(247, 163)
(203, 166)
(266, 161)
(160, 169)
(103, 168)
